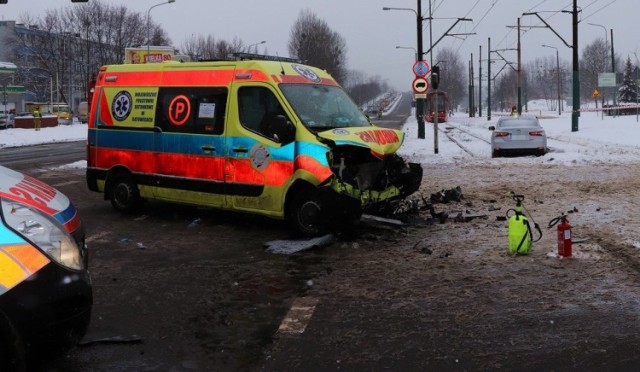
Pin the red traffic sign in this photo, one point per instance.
(420, 85)
(421, 68)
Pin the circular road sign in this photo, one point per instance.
(421, 68)
(420, 85)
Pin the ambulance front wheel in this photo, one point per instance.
(306, 213)
(124, 194)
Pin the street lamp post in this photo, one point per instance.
(415, 52)
(149, 23)
(606, 42)
(256, 44)
(419, 101)
(558, 76)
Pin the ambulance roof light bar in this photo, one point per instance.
(260, 57)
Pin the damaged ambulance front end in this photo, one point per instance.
(362, 171)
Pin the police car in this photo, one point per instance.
(45, 287)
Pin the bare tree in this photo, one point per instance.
(453, 75)
(312, 41)
(505, 91)
(594, 61)
(543, 78)
(69, 44)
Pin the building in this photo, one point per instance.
(52, 67)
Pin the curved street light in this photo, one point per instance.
(256, 44)
(414, 50)
(419, 101)
(558, 76)
(148, 22)
(613, 63)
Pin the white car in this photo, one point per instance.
(515, 135)
(7, 121)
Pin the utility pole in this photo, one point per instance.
(420, 101)
(575, 114)
(575, 111)
(480, 83)
(613, 69)
(472, 100)
(489, 79)
(519, 71)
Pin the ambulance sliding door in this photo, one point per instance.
(190, 154)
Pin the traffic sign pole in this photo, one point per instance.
(420, 85)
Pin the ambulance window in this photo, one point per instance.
(192, 110)
(258, 107)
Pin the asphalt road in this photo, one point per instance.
(180, 288)
(43, 156)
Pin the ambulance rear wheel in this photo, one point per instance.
(306, 213)
(124, 194)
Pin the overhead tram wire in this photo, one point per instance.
(597, 11)
(478, 23)
(537, 5)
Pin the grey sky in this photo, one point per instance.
(372, 34)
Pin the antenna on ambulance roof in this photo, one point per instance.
(281, 66)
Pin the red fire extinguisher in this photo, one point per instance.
(564, 235)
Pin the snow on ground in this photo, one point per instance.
(598, 140)
(25, 137)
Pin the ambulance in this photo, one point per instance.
(45, 287)
(255, 134)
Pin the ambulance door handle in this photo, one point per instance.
(208, 148)
(240, 149)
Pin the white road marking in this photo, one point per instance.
(65, 183)
(299, 315)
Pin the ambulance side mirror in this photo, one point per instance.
(284, 129)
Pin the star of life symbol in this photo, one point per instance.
(306, 73)
(121, 106)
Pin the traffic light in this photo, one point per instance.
(435, 77)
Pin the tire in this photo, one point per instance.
(124, 194)
(306, 213)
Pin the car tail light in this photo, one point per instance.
(500, 134)
(537, 133)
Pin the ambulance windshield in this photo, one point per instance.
(323, 107)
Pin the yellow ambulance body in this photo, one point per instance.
(255, 134)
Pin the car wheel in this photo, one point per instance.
(124, 194)
(494, 154)
(306, 213)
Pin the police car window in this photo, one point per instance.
(192, 110)
(258, 108)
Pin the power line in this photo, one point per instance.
(597, 11)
